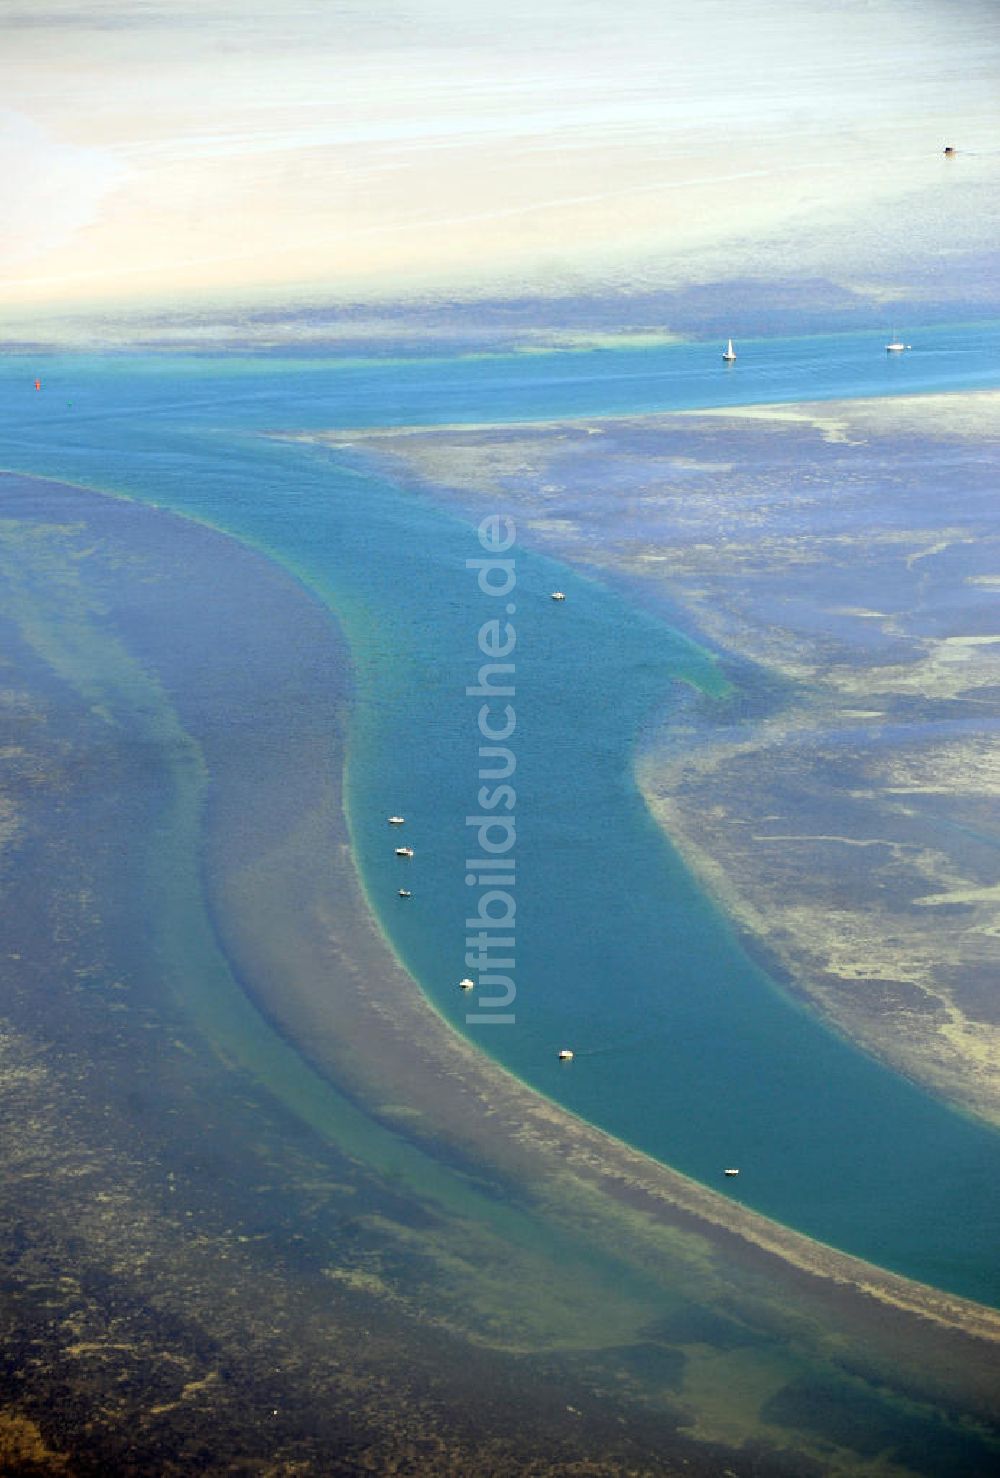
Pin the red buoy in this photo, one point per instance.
(38, 384)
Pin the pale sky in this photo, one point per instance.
(197, 151)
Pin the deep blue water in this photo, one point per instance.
(683, 1046)
(232, 391)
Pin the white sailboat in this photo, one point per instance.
(730, 353)
(896, 346)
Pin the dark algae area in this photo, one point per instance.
(212, 1264)
(193, 1281)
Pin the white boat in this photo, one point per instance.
(730, 1172)
(565, 1055)
(896, 346)
(396, 820)
(730, 353)
(404, 851)
(405, 893)
(558, 595)
(466, 984)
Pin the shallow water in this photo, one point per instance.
(684, 1047)
(173, 669)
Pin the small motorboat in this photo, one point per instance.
(405, 893)
(896, 346)
(404, 851)
(466, 984)
(396, 820)
(730, 1172)
(730, 353)
(565, 1055)
(558, 595)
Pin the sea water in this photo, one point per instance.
(683, 1046)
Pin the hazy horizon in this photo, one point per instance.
(174, 157)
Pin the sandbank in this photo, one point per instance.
(769, 530)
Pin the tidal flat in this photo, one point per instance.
(843, 559)
(326, 1235)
